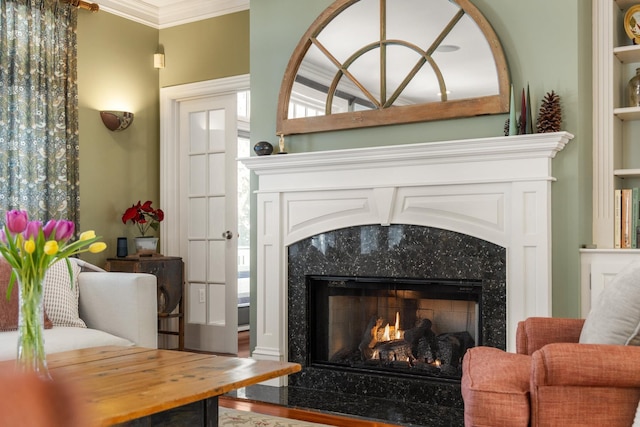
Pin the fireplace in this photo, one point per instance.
(491, 190)
(475, 211)
(393, 326)
(454, 281)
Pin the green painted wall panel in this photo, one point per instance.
(115, 72)
(209, 49)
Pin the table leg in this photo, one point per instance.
(211, 412)
(202, 413)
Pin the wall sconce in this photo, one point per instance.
(158, 60)
(116, 120)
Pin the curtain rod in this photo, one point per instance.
(93, 7)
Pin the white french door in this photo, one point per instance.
(198, 143)
(208, 137)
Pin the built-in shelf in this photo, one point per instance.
(627, 54)
(627, 113)
(627, 173)
(614, 128)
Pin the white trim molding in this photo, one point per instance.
(497, 189)
(163, 14)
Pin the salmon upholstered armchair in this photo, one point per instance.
(565, 372)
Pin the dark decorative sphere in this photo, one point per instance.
(263, 148)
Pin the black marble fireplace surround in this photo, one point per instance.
(395, 251)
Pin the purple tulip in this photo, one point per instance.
(32, 230)
(64, 230)
(16, 221)
(49, 228)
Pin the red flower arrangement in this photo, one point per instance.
(143, 216)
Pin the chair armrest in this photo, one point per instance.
(122, 304)
(586, 365)
(584, 384)
(536, 332)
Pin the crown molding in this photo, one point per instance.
(163, 14)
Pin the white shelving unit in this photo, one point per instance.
(613, 121)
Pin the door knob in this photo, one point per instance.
(227, 235)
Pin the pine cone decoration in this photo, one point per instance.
(507, 124)
(550, 117)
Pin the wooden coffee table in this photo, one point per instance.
(157, 387)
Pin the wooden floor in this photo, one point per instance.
(282, 411)
(296, 414)
(243, 344)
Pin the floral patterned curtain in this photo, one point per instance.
(38, 109)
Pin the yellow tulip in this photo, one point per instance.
(51, 247)
(29, 246)
(89, 234)
(97, 247)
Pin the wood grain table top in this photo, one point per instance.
(124, 383)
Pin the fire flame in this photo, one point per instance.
(397, 333)
(385, 335)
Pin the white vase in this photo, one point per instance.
(146, 245)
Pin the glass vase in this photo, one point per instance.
(633, 88)
(146, 245)
(31, 354)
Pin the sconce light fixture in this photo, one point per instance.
(158, 60)
(116, 120)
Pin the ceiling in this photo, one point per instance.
(168, 13)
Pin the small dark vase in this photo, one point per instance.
(263, 148)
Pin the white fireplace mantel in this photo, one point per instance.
(497, 189)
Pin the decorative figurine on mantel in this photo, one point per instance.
(523, 124)
(549, 116)
(281, 144)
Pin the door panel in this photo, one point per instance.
(208, 200)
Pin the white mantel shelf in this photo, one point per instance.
(542, 145)
(497, 189)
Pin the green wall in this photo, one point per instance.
(547, 44)
(210, 49)
(115, 72)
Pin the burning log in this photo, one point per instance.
(396, 350)
(414, 334)
(454, 345)
(416, 348)
(370, 337)
(422, 331)
(449, 348)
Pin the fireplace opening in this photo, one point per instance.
(400, 327)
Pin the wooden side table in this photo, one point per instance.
(170, 275)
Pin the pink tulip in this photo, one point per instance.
(49, 228)
(32, 230)
(3, 237)
(64, 230)
(16, 221)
